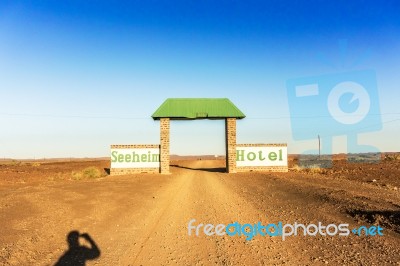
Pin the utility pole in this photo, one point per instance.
(319, 147)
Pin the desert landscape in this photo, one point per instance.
(142, 219)
(199, 133)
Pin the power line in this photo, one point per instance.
(73, 116)
(140, 118)
(317, 116)
(373, 125)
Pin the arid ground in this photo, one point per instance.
(143, 219)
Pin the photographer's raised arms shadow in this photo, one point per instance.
(78, 254)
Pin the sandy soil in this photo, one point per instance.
(143, 219)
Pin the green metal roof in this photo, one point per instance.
(197, 108)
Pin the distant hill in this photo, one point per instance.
(196, 157)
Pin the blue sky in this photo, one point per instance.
(78, 76)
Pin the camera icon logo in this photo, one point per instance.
(335, 105)
(359, 93)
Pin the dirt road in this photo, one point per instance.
(143, 219)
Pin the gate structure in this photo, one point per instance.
(198, 108)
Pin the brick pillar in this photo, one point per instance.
(230, 140)
(164, 140)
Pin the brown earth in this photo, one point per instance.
(143, 219)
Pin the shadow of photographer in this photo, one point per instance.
(78, 254)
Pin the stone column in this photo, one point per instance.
(230, 140)
(164, 140)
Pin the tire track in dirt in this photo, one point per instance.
(160, 239)
(203, 197)
(153, 221)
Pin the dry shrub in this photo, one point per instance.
(392, 157)
(296, 168)
(15, 163)
(314, 169)
(89, 172)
